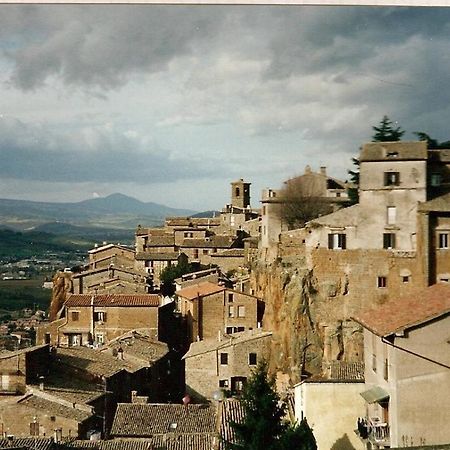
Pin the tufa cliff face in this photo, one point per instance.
(306, 315)
(62, 284)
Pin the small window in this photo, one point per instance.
(443, 240)
(99, 316)
(224, 383)
(100, 338)
(388, 240)
(75, 316)
(381, 282)
(231, 311)
(34, 429)
(205, 252)
(230, 298)
(224, 359)
(436, 179)
(337, 241)
(173, 426)
(252, 359)
(229, 330)
(241, 311)
(52, 418)
(237, 192)
(405, 279)
(391, 178)
(374, 362)
(386, 370)
(391, 215)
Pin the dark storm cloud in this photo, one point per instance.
(99, 45)
(99, 154)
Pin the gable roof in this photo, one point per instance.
(35, 443)
(406, 312)
(441, 204)
(232, 410)
(106, 300)
(394, 151)
(147, 419)
(108, 246)
(199, 290)
(228, 340)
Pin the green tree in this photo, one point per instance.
(263, 415)
(298, 437)
(170, 273)
(354, 179)
(432, 144)
(385, 132)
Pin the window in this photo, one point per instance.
(391, 178)
(205, 252)
(381, 282)
(230, 311)
(173, 426)
(74, 340)
(224, 359)
(237, 192)
(34, 428)
(443, 240)
(241, 311)
(252, 359)
(388, 240)
(230, 298)
(264, 210)
(47, 338)
(75, 316)
(436, 179)
(99, 316)
(100, 338)
(196, 253)
(224, 383)
(405, 279)
(337, 241)
(391, 215)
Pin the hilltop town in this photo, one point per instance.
(150, 346)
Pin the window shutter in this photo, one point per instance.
(344, 241)
(330, 241)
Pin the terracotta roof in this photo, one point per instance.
(155, 256)
(339, 372)
(232, 410)
(406, 312)
(199, 290)
(167, 240)
(138, 344)
(97, 362)
(113, 300)
(5, 354)
(394, 151)
(55, 409)
(108, 246)
(210, 242)
(106, 269)
(228, 340)
(169, 441)
(35, 443)
(142, 420)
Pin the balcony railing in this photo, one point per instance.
(373, 430)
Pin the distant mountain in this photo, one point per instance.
(114, 211)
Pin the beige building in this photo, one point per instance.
(111, 254)
(210, 309)
(224, 362)
(407, 376)
(97, 319)
(330, 402)
(309, 185)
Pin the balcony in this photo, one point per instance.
(373, 430)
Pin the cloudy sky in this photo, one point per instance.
(171, 103)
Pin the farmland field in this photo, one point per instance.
(18, 294)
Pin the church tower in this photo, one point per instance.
(240, 194)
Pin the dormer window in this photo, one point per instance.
(391, 178)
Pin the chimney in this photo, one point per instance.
(41, 383)
(323, 170)
(308, 169)
(120, 353)
(133, 396)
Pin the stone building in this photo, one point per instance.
(309, 185)
(330, 402)
(111, 254)
(22, 367)
(224, 362)
(97, 319)
(407, 377)
(210, 309)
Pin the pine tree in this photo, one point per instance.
(298, 437)
(354, 179)
(386, 133)
(263, 423)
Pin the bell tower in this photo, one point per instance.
(240, 194)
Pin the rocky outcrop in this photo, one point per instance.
(306, 314)
(62, 284)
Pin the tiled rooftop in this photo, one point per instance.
(138, 344)
(394, 151)
(199, 290)
(340, 372)
(106, 300)
(4, 354)
(155, 256)
(108, 246)
(218, 241)
(35, 443)
(231, 411)
(97, 362)
(406, 312)
(144, 420)
(55, 409)
(228, 340)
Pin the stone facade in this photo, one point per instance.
(224, 363)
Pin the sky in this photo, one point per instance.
(171, 103)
